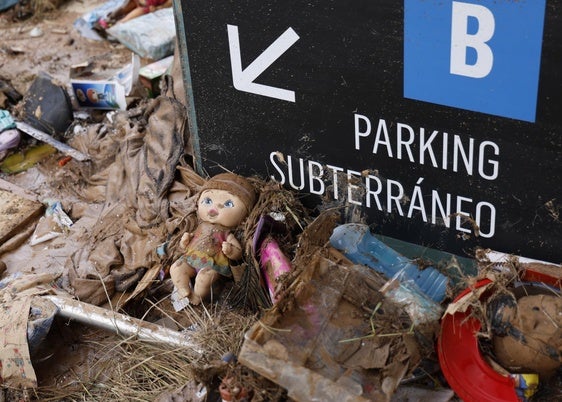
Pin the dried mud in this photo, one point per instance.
(58, 47)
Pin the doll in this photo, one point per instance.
(130, 10)
(224, 202)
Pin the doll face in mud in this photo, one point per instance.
(222, 207)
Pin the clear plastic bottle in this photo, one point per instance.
(358, 244)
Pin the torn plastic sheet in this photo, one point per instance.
(419, 307)
(151, 35)
(52, 225)
(329, 337)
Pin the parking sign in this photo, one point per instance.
(441, 121)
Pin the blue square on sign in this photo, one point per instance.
(481, 55)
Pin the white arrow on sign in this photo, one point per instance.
(243, 80)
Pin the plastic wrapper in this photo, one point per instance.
(52, 224)
(420, 308)
(150, 36)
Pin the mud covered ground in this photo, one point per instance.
(48, 42)
(80, 362)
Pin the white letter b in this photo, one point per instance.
(461, 40)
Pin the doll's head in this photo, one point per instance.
(226, 199)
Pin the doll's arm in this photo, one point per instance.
(232, 248)
(185, 239)
(167, 3)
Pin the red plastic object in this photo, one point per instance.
(533, 275)
(466, 371)
(64, 160)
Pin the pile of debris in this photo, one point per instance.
(98, 189)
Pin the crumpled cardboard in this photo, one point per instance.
(17, 293)
(96, 86)
(323, 341)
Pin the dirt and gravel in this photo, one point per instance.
(80, 362)
(49, 43)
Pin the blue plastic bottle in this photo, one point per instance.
(358, 244)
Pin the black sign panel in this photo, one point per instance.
(441, 120)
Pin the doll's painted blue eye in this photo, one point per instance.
(229, 204)
(207, 201)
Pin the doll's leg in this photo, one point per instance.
(182, 273)
(137, 12)
(203, 285)
(122, 11)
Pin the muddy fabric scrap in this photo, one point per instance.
(123, 242)
(17, 294)
(15, 360)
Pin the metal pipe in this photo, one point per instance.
(41, 136)
(120, 323)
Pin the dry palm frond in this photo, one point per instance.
(249, 292)
(129, 369)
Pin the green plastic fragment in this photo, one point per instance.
(21, 161)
